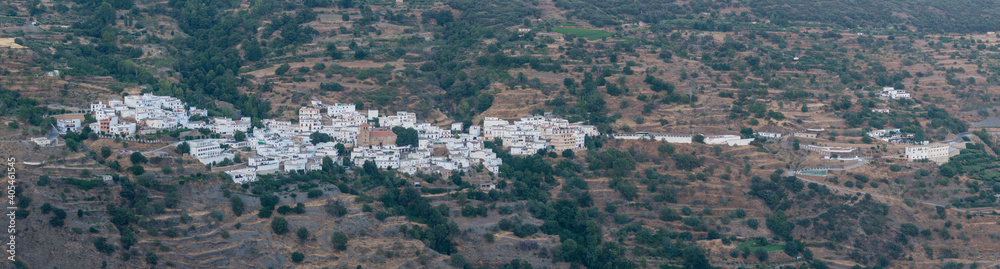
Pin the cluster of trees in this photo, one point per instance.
(23, 108)
(612, 13)
(948, 16)
(209, 68)
(417, 208)
(406, 136)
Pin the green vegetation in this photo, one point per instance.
(83, 184)
(591, 34)
(753, 246)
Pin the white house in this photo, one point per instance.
(892, 93)
(768, 135)
(68, 125)
(244, 175)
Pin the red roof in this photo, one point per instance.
(382, 133)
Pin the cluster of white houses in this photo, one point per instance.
(134, 112)
(530, 134)
(287, 145)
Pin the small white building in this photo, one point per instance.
(42, 141)
(768, 135)
(244, 175)
(892, 93)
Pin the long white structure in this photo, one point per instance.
(927, 152)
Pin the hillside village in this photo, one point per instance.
(347, 135)
(502, 134)
(289, 146)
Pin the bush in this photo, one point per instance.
(282, 69)
(102, 245)
(339, 241)
(568, 154)
(43, 180)
(668, 214)
(331, 87)
(151, 258)
(896, 167)
(302, 233)
(284, 210)
(336, 208)
(297, 257)
(237, 205)
(314, 193)
(909, 229)
(279, 225)
(457, 260)
(137, 170)
(739, 213)
(264, 213)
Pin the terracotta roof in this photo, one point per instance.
(382, 133)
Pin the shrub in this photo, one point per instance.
(314, 193)
(340, 241)
(302, 233)
(237, 205)
(282, 69)
(279, 225)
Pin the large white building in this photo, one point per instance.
(209, 151)
(927, 152)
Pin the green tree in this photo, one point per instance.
(698, 139)
(779, 225)
(686, 162)
(302, 233)
(137, 170)
(568, 154)
(406, 136)
(339, 241)
(237, 205)
(279, 225)
(252, 50)
(314, 193)
(240, 136)
(105, 152)
(137, 158)
(183, 147)
(151, 258)
(317, 137)
(331, 86)
(282, 69)
(297, 257)
(328, 165)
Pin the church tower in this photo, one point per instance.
(364, 137)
